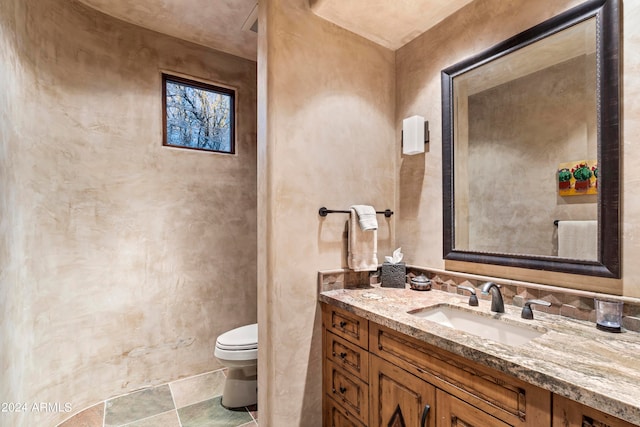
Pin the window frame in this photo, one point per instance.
(209, 87)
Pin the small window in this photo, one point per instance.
(197, 115)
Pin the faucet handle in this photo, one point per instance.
(473, 299)
(527, 313)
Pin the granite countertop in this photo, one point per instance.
(573, 358)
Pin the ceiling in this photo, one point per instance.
(217, 24)
(390, 23)
(225, 24)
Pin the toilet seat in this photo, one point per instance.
(238, 344)
(237, 351)
(242, 338)
(236, 347)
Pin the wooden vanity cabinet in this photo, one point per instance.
(377, 377)
(568, 413)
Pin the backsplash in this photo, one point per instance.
(565, 302)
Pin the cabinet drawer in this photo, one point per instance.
(350, 392)
(348, 356)
(497, 394)
(335, 415)
(346, 325)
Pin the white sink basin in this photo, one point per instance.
(478, 324)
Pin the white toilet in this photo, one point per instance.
(237, 350)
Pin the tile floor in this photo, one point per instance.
(190, 402)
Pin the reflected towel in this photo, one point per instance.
(578, 239)
(366, 217)
(363, 246)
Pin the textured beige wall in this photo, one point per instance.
(473, 29)
(326, 138)
(630, 150)
(121, 260)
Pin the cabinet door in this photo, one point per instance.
(568, 413)
(399, 399)
(335, 416)
(453, 412)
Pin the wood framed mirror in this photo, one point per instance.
(512, 116)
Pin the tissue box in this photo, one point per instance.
(393, 275)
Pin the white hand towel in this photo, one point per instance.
(578, 239)
(366, 217)
(363, 246)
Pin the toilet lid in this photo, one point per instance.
(242, 338)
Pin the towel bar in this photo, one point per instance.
(324, 211)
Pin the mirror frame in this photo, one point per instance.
(607, 15)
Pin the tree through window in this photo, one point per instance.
(198, 115)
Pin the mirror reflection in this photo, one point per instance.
(518, 119)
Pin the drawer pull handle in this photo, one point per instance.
(425, 414)
(343, 390)
(343, 323)
(343, 356)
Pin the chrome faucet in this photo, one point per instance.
(497, 304)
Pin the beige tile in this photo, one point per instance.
(91, 417)
(630, 309)
(211, 413)
(631, 323)
(528, 293)
(250, 424)
(197, 389)
(580, 302)
(168, 419)
(574, 312)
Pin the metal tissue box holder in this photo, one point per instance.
(393, 275)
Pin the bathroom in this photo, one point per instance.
(121, 260)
